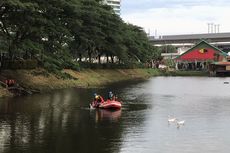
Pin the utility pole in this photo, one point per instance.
(218, 28)
(209, 27)
(155, 33)
(213, 28)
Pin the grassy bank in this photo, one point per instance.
(40, 80)
(5, 93)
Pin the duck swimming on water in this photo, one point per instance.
(171, 119)
(180, 123)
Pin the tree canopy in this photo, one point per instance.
(63, 31)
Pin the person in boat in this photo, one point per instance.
(98, 100)
(110, 96)
(95, 97)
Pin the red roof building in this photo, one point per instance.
(200, 56)
(203, 51)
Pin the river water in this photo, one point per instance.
(60, 121)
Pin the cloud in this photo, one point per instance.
(140, 4)
(179, 16)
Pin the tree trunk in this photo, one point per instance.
(90, 57)
(99, 59)
(80, 57)
(11, 51)
(107, 58)
(112, 59)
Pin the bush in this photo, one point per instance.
(42, 72)
(19, 64)
(111, 65)
(52, 63)
(72, 65)
(64, 76)
(170, 63)
(58, 63)
(31, 64)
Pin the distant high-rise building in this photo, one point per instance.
(115, 4)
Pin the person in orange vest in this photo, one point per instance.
(13, 82)
(10, 82)
(98, 99)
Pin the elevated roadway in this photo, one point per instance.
(190, 38)
(220, 40)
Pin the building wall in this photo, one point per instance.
(115, 4)
(203, 51)
(200, 56)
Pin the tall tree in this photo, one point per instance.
(16, 20)
(66, 29)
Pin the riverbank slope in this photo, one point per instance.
(40, 80)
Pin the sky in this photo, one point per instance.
(172, 17)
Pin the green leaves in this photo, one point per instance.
(75, 28)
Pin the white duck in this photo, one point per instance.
(171, 119)
(180, 123)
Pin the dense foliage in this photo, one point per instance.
(61, 33)
(168, 49)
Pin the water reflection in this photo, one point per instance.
(107, 115)
(61, 121)
(29, 119)
(56, 122)
(202, 102)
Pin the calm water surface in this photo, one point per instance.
(60, 122)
